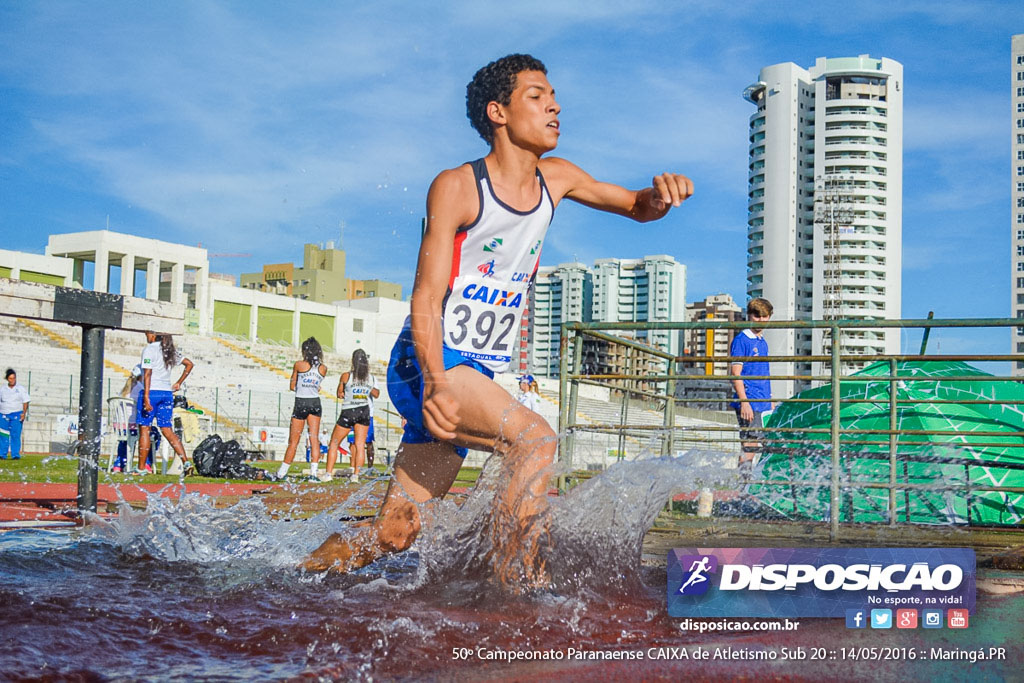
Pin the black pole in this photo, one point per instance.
(927, 331)
(90, 414)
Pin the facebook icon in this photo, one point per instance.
(856, 618)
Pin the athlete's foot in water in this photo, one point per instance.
(335, 554)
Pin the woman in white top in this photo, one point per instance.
(356, 389)
(157, 399)
(529, 392)
(307, 374)
(14, 400)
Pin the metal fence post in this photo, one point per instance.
(248, 411)
(670, 410)
(216, 408)
(625, 405)
(574, 392)
(279, 408)
(893, 388)
(834, 510)
(563, 403)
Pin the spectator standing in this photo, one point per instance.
(307, 374)
(356, 389)
(157, 398)
(753, 395)
(529, 392)
(133, 389)
(14, 400)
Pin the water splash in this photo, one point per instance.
(591, 546)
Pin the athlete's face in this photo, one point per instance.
(531, 116)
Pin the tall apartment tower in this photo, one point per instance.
(1017, 150)
(825, 191)
(559, 294)
(651, 289)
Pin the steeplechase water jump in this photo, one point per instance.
(488, 523)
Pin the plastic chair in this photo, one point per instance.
(121, 410)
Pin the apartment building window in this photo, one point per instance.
(1020, 139)
(1020, 202)
(1020, 59)
(1020, 170)
(1020, 187)
(1020, 250)
(1020, 267)
(1020, 218)
(1020, 92)
(1020, 152)
(1020, 107)
(1020, 234)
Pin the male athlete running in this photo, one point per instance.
(486, 222)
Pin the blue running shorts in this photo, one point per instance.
(163, 409)
(405, 386)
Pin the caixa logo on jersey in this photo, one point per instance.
(816, 582)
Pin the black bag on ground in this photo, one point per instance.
(214, 457)
(204, 457)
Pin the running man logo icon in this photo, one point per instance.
(487, 268)
(696, 582)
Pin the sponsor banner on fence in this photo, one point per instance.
(816, 582)
(270, 436)
(66, 426)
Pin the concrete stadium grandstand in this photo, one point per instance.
(243, 341)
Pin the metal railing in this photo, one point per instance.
(234, 411)
(838, 442)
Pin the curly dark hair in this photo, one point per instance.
(495, 83)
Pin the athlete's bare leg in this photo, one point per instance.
(294, 432)
(337, 436)
(358, 455)
(489, 420)
(313, 427)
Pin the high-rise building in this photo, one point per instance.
(825, 201)
(559, 294)
(1017, 195)
(650, 289)
(712, 342)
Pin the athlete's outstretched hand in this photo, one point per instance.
(440, 410)
(669, 189)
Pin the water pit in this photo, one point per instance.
(184, 590)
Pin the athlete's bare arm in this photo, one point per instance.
(295, 376)
(451, 203)
(566, 179)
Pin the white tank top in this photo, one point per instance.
(307, 384)
(493, 265)
(357, 393)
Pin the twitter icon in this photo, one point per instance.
(881, 618)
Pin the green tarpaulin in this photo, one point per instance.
(955, 459)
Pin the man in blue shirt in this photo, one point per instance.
(753, 395)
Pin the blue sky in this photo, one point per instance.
(257, 126)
